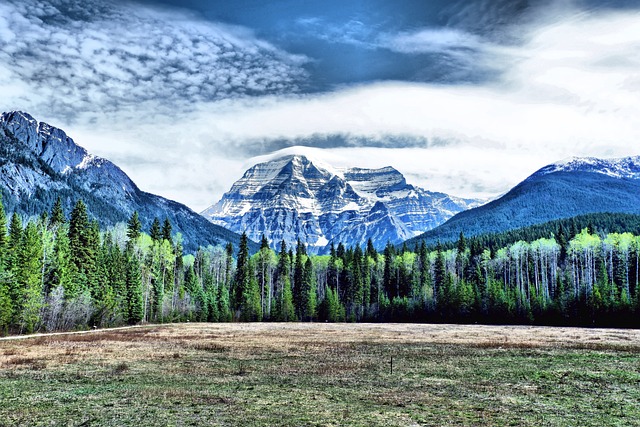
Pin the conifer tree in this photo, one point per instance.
(308, 292)
(299, 297)
(3, 237)
(439, 271)
(154, 231)
(29, 279)
(166, 230)
(133, 283)
(57, 213)
(389, 283)
(6, 303)
(133, 227)
(13, 243)
(241, 279)
(284, 309)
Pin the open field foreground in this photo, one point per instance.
(323, 375)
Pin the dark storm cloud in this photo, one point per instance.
(259, 147)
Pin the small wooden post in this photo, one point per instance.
(391, 365)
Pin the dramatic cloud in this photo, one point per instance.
(184, 105)
(77, 56)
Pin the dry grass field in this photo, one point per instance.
(322, 375)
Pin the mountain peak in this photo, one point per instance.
(293, 197)
(48, 142)
(42, 164)
(623, 167)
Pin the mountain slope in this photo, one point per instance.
(562, 190)
(39, 163)
(293, 197)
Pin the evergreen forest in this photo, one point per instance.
(66, 274)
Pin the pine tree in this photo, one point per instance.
(83, 246)
(154, 231)
(299, 297)
(388, 281)
(133, 227)
(133, 283)
(241, 279)
(6, 303)
(29, 278)
(57, 213)
(166, 230)
(308, 292)
(371, 250)
(13, 243)
(284, 309)
(3, 237)
(439, 271)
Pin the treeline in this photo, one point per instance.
(59, 274)
(599, 223)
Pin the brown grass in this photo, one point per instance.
(321, 372)
(171, 341)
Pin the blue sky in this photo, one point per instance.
(465, 97)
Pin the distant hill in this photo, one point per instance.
(39, 163)
(562, 190)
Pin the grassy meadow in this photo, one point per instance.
(273, 374)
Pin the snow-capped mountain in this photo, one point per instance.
(565, 189)
(39, 163)
(293, 197)
(625, 167)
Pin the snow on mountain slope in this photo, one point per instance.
(625, 167)
(293, 197)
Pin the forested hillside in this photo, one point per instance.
(58, 275)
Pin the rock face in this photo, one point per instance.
(39, 163)
(561, 190)
(293, 197)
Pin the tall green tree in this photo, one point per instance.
(134, 227)
(133, 283)
(155, 232)
(57, 213)
(284, 310)
(29, 279)
(166, 230)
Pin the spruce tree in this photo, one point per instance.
(154, 231)
(299, 297)
(13, 243)
(6, 303)
(133, 227)
(309, 295)
(3, 237)
(133, 283)
(439, 271)
(57, 213)
(166, 230)
(29, 278)
(241, 279)
(284, 309)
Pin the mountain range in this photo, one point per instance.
(40, 163)
(295, 197)
(572, 187)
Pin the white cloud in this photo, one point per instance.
(430, 40)
(106, 56)
(572, 88)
